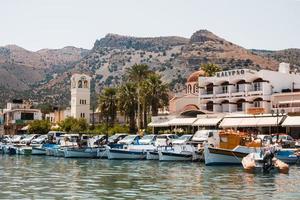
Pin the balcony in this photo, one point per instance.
(206, 95)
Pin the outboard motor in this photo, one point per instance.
(267, 161)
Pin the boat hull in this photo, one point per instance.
(122, 154)
(152, 155)
(217, 156)
(173, 156)
(80, 153)
(102, 153)
(38, 151)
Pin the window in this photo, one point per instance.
(240, 105)
(210, 106)
(257, 86)
(224, 89)
(27, 116)
(82, 115)
(210, 88)
(256, 104)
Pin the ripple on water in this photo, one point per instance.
(40, 177)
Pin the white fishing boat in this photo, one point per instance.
(102, 151)
(233, 147)
(178, 153)
(24, 150)
(38, 151)
(152, 155)
(80, 152)
(129, 154)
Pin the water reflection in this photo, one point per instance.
(57, 178)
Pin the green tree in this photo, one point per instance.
(68, 123)
(127, 103)
(107, 104)
(137, 74)
(156, 93)
(80, 126)
(210, 69)
(39, 127)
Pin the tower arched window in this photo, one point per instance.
(85, 84)
(80, 84)
(189, 88)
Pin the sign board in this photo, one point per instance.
(231, 73)
(255, 111)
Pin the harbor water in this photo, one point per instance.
(43, 177)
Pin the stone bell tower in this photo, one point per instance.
(80, 96)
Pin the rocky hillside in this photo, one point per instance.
(22, 70)
(291, 56)
(173, 57)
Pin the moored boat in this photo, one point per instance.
(152, 155)
(129, 154)
(38, 151)
(264, 162)
(233, 147)
(80, 152)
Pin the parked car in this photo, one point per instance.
(27, 140)
(265, 139)
(17, 138)
(6, 139)
(204, 135)
(285, 140)
(148, 139)
(115, 138)
(165, 139)
(130, 139)
(55, 136)
(40, 140)
(182, 139)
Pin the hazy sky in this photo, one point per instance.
(36, 24)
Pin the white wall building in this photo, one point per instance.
(241, 90)
(80, 96)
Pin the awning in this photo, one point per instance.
(207, 121)
(182, 121)
(269, 121)
(230, 122)
(249, 122)
(291, 121)
(159, 124)
(289, 102)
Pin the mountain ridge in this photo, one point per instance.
(173, 57)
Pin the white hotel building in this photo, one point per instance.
(241, 90)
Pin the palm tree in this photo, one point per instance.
(210, 69)
(137, 74)
(156, 93)
(127, 103)
(108, 104)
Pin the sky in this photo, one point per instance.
(38, 24)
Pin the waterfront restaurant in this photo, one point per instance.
(241, 99)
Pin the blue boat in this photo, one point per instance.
(287, 155)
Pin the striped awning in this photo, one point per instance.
(207, 121)
(159, 124)
(291, 121)
(182, 121)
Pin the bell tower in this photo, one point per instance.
(80, 96)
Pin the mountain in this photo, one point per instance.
(291, 56)
(46, 73)
(22, 70)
